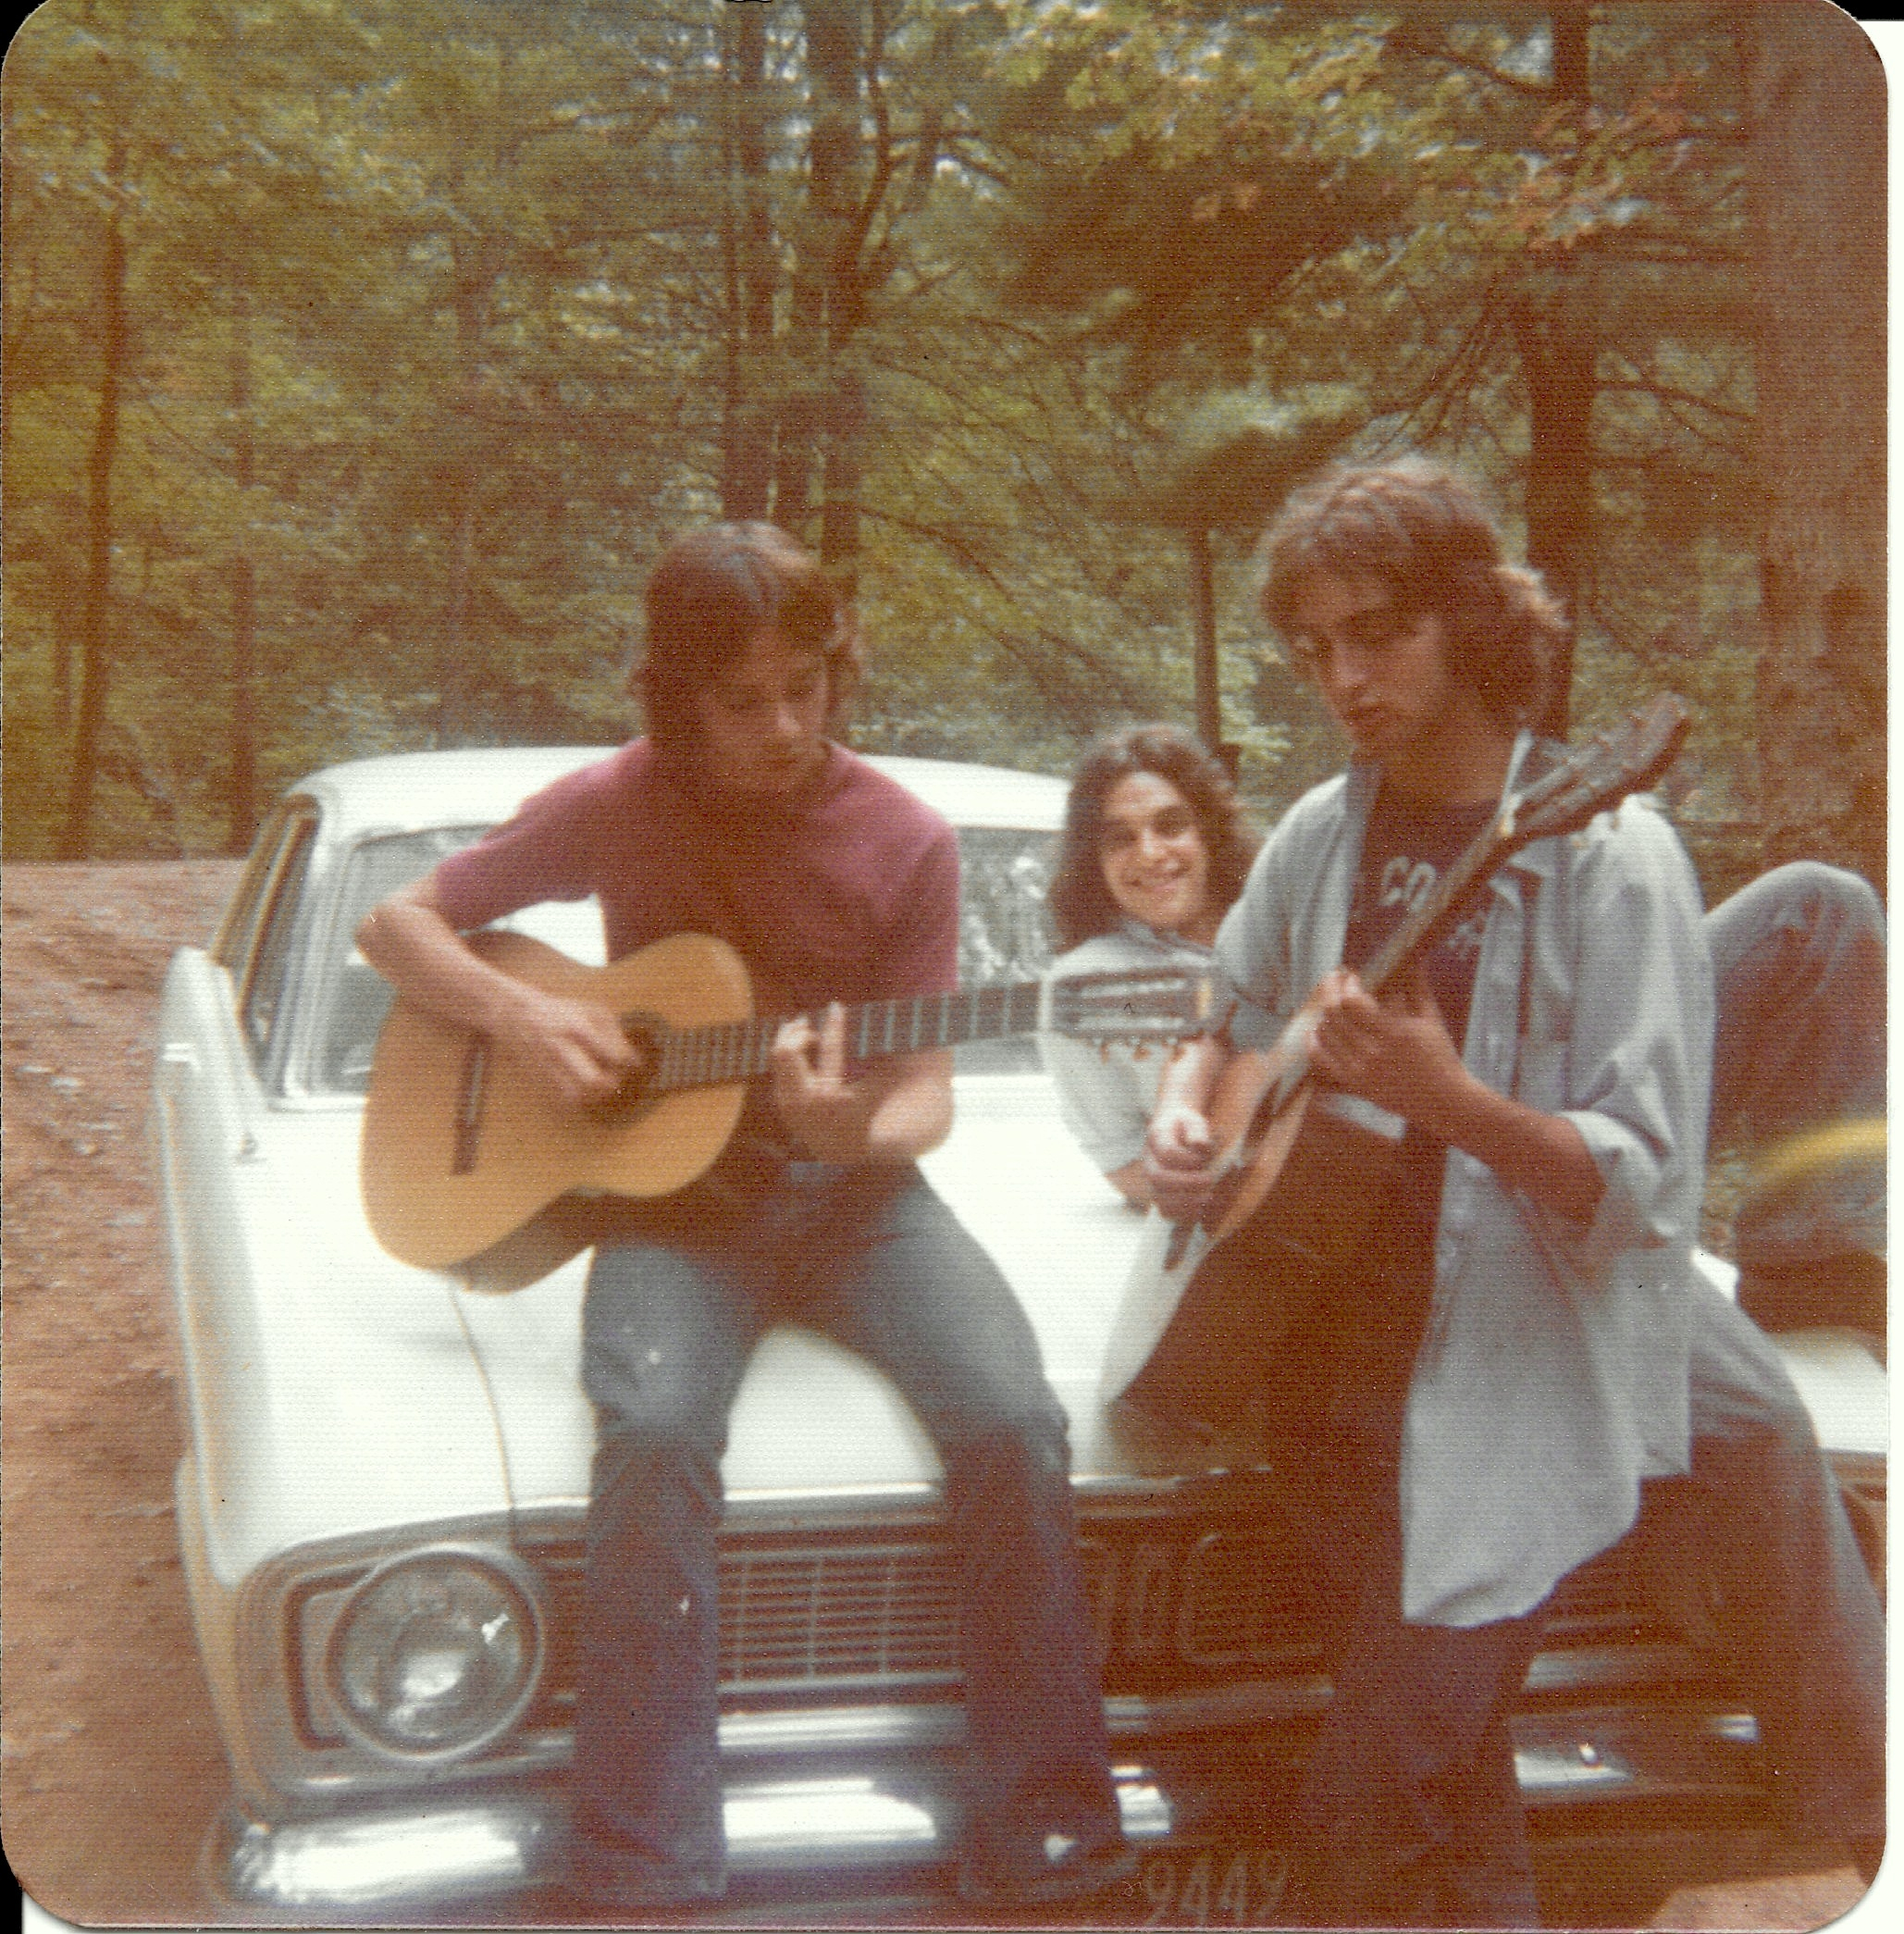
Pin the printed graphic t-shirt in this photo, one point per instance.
(1409, 845)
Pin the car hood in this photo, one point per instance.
(398, 1397)
(813, 1417)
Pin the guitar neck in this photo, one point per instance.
(738, 1050)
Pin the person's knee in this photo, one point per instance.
(1757, 1409)
(1831, 893)
(1827, 904)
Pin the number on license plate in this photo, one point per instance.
(1212, 1889)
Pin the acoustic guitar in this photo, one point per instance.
(467, 1163)
(1212, 1299)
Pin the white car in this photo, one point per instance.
(381, 1501)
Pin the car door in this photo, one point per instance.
(219, 1017)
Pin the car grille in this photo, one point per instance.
(848, 1617)
(1188, 1597)
(1182, 1604)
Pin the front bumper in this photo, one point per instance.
(847, 1836)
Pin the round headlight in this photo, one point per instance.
(436, 1653)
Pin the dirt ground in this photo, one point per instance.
(112, 1768)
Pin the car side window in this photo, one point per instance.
(353, 997)
(238, 925)
(261, 996)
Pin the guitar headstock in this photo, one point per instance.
(1600, 773)
(1147, 1004)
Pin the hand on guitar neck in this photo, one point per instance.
(893, 1109)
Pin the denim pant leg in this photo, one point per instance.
(1409, 1813)
(1796, 1605)
(665, 1340)
(1799, 962)
(925, 1303)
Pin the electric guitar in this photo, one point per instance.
(468, 1164)
(1212, 1299)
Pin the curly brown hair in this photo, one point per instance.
(1426, 537)
(1082, 905)
(713, 591)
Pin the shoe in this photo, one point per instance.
(1061, 1869)
(613, 1881)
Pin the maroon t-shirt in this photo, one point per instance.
(847, 891)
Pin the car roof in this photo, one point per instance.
(410, 791)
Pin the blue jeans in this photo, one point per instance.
(1799, 956)
(1409, 1812)
(871, 1257)
(1794, 1605)
(1799, 962)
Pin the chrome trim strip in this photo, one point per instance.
(897, 1824)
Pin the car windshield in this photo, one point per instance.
(1003, 936)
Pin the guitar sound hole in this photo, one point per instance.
(632, 1096)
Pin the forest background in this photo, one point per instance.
(361, 355)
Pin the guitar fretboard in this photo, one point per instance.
(738, 1050)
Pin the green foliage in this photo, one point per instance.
(445, 314)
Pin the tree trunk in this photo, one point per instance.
(1558, 359)
(76, 838)
(1203, 608)
(1818, 106)
(244, 802)
(828, 410)
(475, 274)
(747, 453)
(1559, 355)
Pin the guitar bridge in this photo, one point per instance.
(469, 1107)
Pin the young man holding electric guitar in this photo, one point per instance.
(1507, 1360)
(737, 816)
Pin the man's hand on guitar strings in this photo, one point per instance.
(1180, 1164)
(576, 1049)
(1396, 1051)
(573, 1048)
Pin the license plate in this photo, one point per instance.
(1210, 1888)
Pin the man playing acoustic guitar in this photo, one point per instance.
(736, 816)
(1156, 851)
(1475, 1416)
